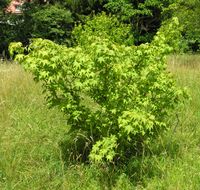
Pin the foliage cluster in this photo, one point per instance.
(52, 22)
(145, 17)
(106, 27)
(117, 97)
(188, 14)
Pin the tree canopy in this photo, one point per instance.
(55, 19)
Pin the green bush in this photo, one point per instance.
(116, 97)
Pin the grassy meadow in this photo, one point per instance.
(31, 134)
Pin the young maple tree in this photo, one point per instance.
(116, 97)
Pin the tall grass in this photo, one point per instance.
(30, 137)
(29, 154)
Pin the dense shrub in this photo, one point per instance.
(117, 97)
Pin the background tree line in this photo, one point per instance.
(55, 19)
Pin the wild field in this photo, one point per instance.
(31, 134)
